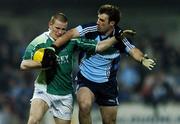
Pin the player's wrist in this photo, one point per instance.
(142, 59)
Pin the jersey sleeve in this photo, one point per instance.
(85, 45)
(41, 41)
(124, 46)
(29, 52)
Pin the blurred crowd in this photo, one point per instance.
(16, 86)
(160, 85)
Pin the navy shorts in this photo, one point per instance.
(106, 94)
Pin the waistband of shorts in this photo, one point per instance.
(41, 86)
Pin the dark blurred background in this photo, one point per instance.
(158, 32)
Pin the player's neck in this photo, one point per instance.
(52, 36)
(109, 32)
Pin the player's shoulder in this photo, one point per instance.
(42, 37)
(118, 29)
(91, 24)
(39, 40)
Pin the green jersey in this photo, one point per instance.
(61, 84)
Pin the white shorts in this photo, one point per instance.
(60, 106)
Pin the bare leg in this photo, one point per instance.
(85, 99)
(108, 114)
(37, 111)
(60, 121)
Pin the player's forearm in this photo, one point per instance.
(105, 44)
(66, 37)
(145, 61)
(137, 54)
(30, 64)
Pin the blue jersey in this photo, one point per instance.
(101, 67)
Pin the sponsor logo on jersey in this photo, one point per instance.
(63, 59)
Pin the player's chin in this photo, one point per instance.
(58, 35)
(98, 28)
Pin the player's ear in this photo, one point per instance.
(50, 25)
(112, 23)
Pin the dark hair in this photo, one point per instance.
(112, 11)
(59, 16)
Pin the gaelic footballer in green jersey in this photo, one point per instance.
(61, 84)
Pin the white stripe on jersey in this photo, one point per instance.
(42, 39)
(110, 56)
(128, 45)
(88, 29)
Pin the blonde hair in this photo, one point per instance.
(58, 16)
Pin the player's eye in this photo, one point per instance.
(57, 28)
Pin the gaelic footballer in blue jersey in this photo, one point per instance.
(97, 75)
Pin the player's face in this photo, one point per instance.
(103, 24)
(57, 29)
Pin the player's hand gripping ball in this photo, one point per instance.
(46, 56)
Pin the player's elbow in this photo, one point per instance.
(99, 49)
(23, 66)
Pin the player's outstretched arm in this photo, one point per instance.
(72, 33)
(142, 58)
(105, 44)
